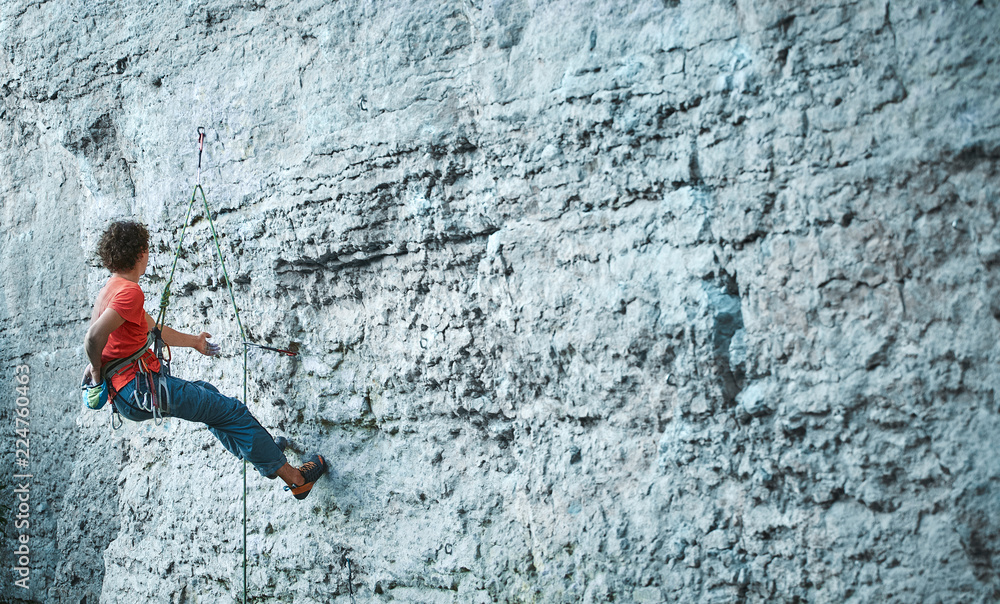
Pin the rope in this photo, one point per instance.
(165, 302)
(243, 337)
(165, 296)
(245, 351)
(218, 248)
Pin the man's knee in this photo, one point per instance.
(207, 386)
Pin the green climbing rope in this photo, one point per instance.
(165, 296)
(218, 248)
(246, 349)
(165, 302)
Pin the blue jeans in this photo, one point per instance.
(227, 418)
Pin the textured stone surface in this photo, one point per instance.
(597, 301)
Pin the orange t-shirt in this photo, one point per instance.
(126, 299)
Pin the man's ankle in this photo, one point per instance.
(291, 475)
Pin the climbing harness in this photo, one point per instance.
(162, 350)
(96, 396)
(150, 394)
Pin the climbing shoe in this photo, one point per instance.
(311, 471)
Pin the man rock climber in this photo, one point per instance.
(119, 327)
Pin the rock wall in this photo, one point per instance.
(664, 300)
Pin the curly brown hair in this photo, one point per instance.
(121, 245)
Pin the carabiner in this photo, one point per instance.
(164, 393)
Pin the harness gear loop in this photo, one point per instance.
(146, 394)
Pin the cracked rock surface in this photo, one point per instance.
(656, 301)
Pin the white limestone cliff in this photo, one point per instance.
(653, 301)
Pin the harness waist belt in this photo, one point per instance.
(116, 366)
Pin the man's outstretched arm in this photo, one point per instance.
(172, 337)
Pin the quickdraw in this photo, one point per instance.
(151, 394)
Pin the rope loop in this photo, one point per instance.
(165, 299)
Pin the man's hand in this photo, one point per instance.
(205, 347)
(91, 376)
(172, 337)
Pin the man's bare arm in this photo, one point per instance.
(97, 338)
(172, 337)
